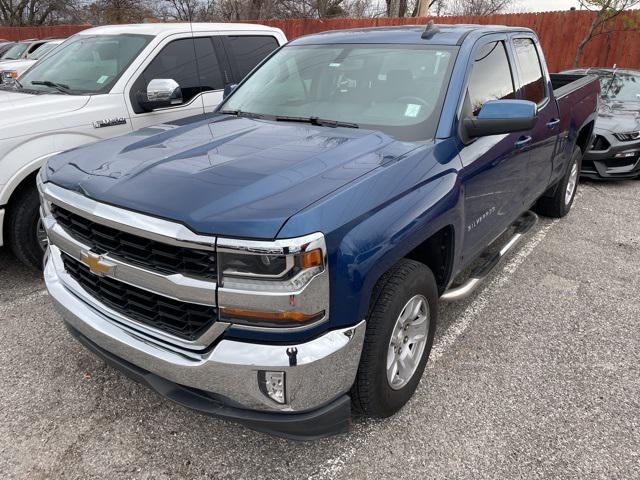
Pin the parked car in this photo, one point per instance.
(12, 69)
(280, 263)
(615, 153)
(105, 82)
(20, 50)
(4, 46)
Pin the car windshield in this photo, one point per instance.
(620, 87)
(85, 64)
(47, 47)
(15, 52)
(397, 89)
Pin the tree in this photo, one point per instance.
(16, 13)
(606, 12)
(477, 7)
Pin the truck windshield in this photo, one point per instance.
(85, 65)
(15, 52)
(620, 87)
(46, 48)
(396, 89)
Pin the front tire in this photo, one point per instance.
(559, 204)
(400, 329)
(24, 228)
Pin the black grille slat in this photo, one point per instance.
(150, 254)
(182, 319)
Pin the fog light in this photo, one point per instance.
(626, 155)
(272, 384)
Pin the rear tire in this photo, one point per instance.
(400, 326)
(24, 229)
(559, 204)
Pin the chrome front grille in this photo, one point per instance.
(137, 250)
(155, 276)
(184, 320)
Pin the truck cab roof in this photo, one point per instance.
(167, 28)
(409, 34)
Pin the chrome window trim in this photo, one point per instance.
(128, 221)
(175, 286)
(144, 332)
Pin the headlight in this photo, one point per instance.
(628, 137)
(9, 75)
(276, 284)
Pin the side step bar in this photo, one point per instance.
(521, 227)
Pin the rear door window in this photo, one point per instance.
(533, 84)
(210, 65)
(247, 51)
(491, 77)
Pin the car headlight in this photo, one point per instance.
(279, 284)
(9, 75)
(628, 137)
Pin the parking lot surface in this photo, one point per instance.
(535, 376)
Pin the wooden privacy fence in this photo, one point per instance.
(559, 32)
(52, 31)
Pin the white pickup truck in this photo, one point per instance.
(105, 82)
(12, 69)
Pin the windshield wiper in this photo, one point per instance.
(320, 122)
(61, 87)
(240, 113)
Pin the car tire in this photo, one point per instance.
(560, 202)
(22, 228)
(374, 394)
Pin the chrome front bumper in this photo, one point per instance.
(323, 370)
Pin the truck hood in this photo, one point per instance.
(18, 107)
(227, 175)
(19, 65)
(617, 117)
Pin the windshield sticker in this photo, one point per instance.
(412, 110)
(334, 65)
(103, 79)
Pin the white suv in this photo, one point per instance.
(105, 82)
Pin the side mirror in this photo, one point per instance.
(499, 117)
(161, 93)
(228, 90)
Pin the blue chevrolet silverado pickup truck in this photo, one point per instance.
(280, 262)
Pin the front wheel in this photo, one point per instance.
(559, 204)
(400, 329)
(25, 232)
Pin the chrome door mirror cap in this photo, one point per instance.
(163, 92)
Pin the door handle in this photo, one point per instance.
(523, 142)
(553, 123)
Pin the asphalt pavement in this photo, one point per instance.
(536, 376)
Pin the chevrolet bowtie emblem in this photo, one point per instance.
(97, 265)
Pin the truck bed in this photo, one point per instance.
(565, 83)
